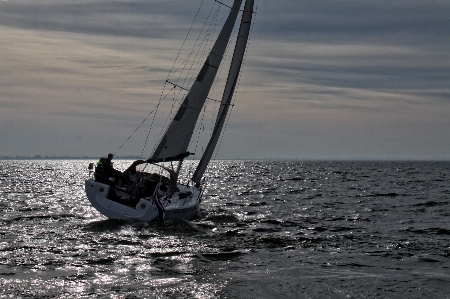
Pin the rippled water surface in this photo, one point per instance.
(265, 230)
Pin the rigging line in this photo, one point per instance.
(198, 43)
(213, 24)
(223, 3)
(172, 71)
(194, 48)
(226, 55)
(162, 97)
(228, 52)
(171, 112)
(134, 131)
(201, 124)
(238, 84)
(229, 6)
(185, 39)
(181, 87)
(184, 64)
(201, 44)
(198, 130)
(213, 87)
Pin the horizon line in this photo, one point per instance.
(132, 157)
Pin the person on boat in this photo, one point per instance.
(100, 173)
(111, 172)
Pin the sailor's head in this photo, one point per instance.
(101, 161)
(110, 156)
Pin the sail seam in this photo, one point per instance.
(212, 65)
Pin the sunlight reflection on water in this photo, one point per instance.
(260, 221)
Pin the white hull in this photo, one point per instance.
(145, 209)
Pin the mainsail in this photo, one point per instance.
(173, 145)
(233, 76)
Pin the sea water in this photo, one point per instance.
(266, 229)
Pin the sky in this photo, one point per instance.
(322, 79)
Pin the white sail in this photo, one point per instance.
(233, 75)
(174, 144)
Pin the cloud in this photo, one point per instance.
(150, 19)
(321, 78)
(338, 21)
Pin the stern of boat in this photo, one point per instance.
(97, 193)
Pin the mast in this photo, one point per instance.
(173, 145)
(230, 86)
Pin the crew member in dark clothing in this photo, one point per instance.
(100, 174)
(113, 172)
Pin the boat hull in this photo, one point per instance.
(180, 205)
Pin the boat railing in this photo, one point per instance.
(91, 171)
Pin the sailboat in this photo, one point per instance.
(158, 195)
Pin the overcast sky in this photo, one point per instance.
(323, 79)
